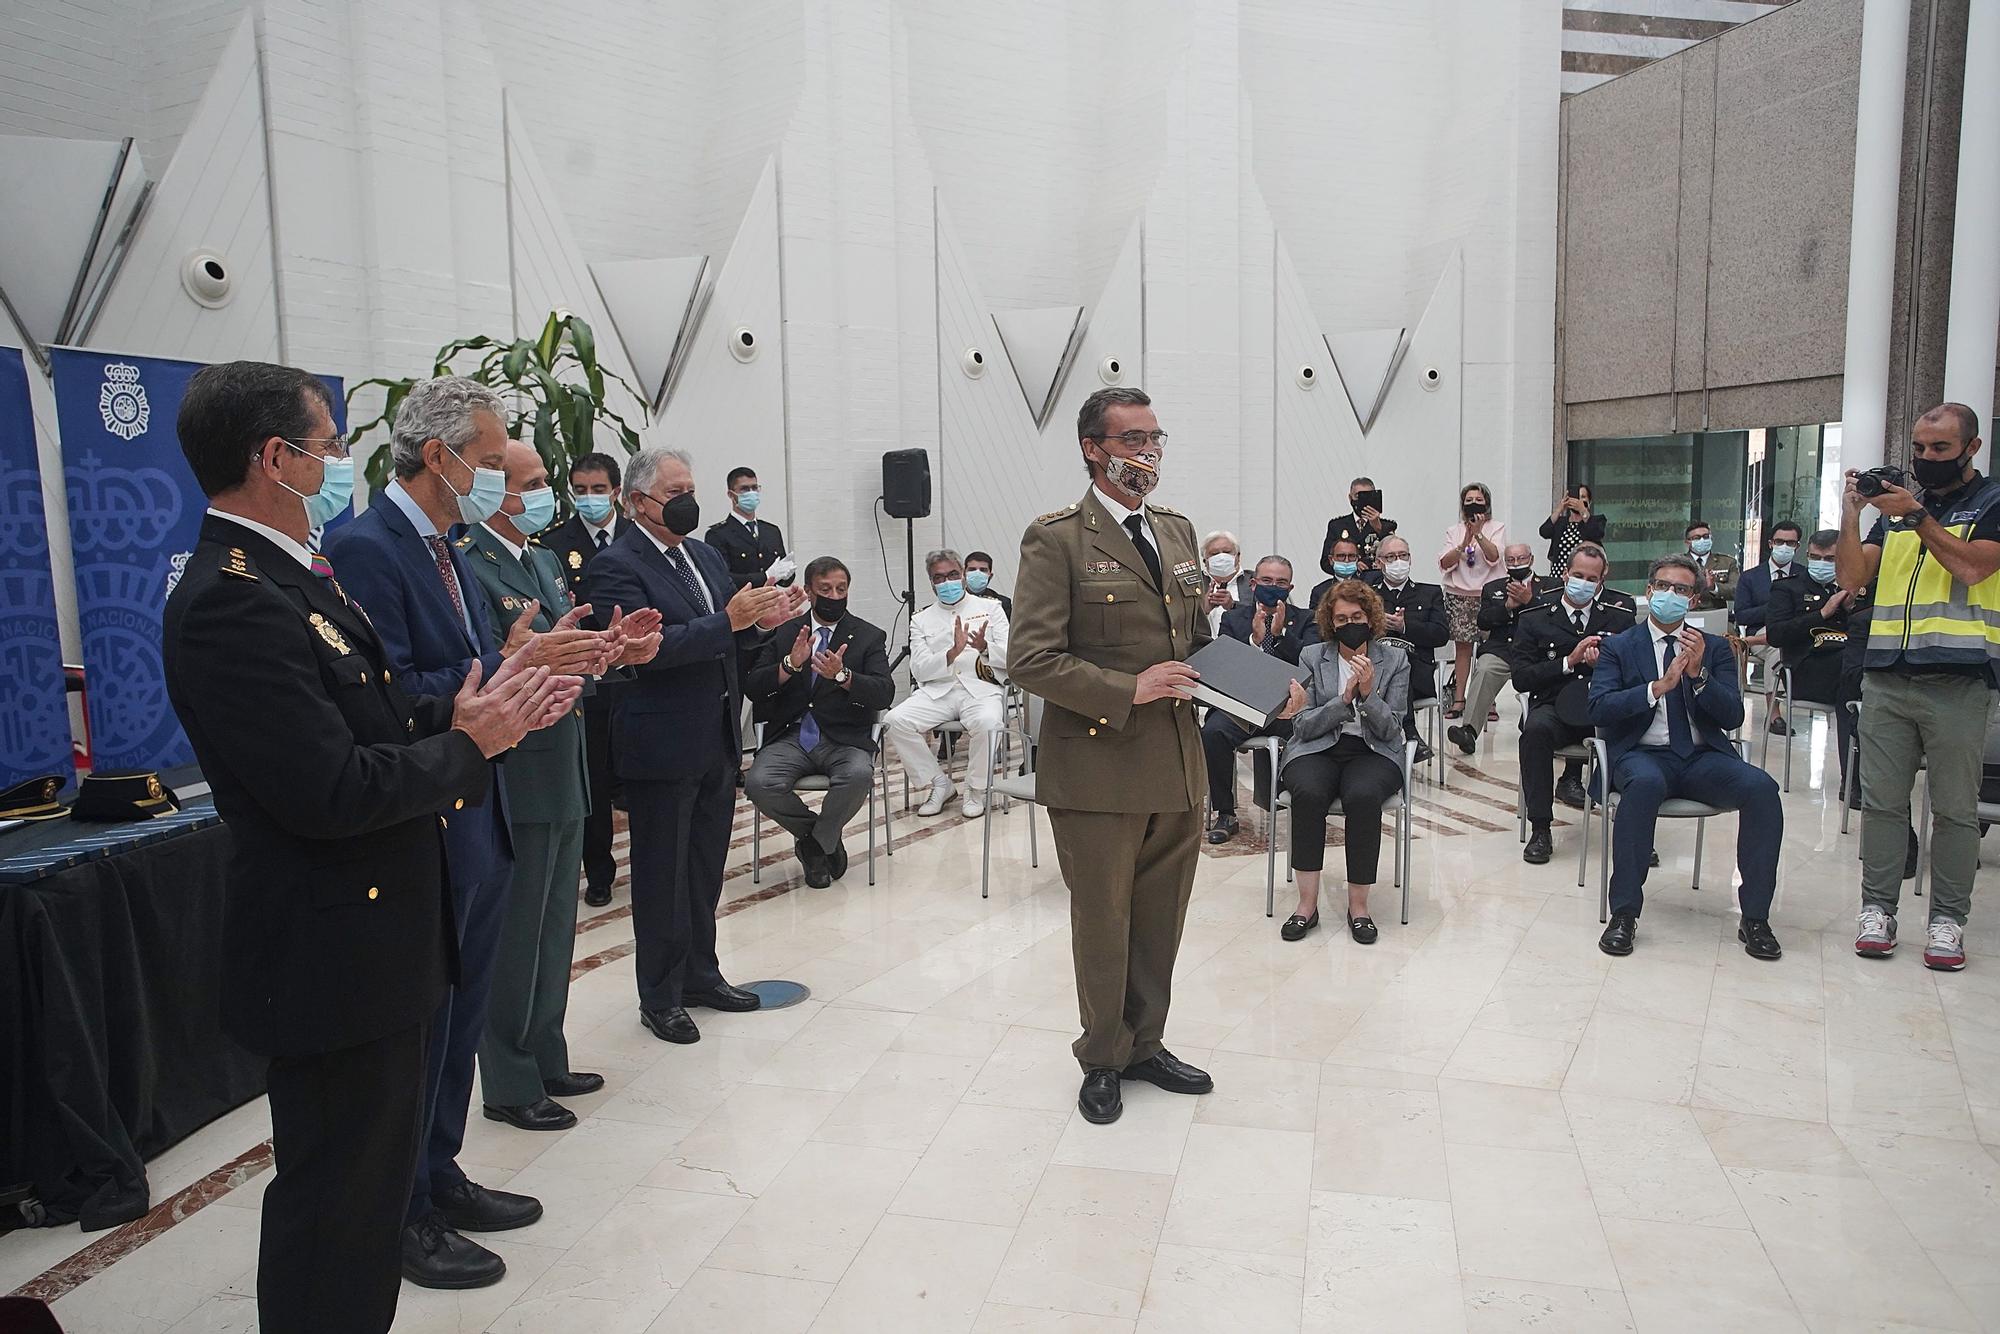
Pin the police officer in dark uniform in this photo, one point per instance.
(1501, 602)
(750, 544)
(339, 945)
(1810, 621)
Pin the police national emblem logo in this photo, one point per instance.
(122, 401)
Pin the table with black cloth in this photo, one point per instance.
(111, 1047)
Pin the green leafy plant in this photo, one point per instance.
(553, 384)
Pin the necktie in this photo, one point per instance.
(441, 551)
(1679, 734)
(321, 566)
(678, 559)
(1581, 623)
(1146, 550)
(809, 729)
(753, 531)
(603, 539)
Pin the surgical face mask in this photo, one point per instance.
(748, 501)
(829, 610)
(1354, 634)
(489, 488)
(594, 509)
(1932, 473)
(1668, 606)
(1131, 476)
(681, 514)
(1820, 570)
(1344, 569)
(1270, 595)
(977, 580)
(1701, 546)
(1397, 569)
(336, 489)
(1579, 590)
(1782, 553)
(537, 508)
(1520, 574)
(1221, 565)
(949, 591)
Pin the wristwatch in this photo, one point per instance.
(842, 677)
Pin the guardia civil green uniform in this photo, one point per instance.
(1122, 783)
(548, 794)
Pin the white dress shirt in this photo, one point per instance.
(421, 521)
(1657, 733)
(707, 601)
(278, 539)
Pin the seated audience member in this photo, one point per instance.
(1363, 525)
(1225, 582)
(1664, 697)
(1718, 568)
(1570, 524)
(979, 580)
(1501, 603)
(1807, 620)
(958, 650)
(1414, 620)
(1556, 645)
(1471, 557)
(1753, 595)
(1269, 622)
(748, 543)
(817, 688)
(1346, 747)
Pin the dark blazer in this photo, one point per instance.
(1498, 619)
(747, 559)
(1753, 595)
(1425, 624)
(846, 713)
(1298, 625)
(1793, 624)
(1544, 637)
(1350, 527)
(1589, 530)
(337, 918)
(574, 543)
(390, 570)
(676, 719)
(1621, 692)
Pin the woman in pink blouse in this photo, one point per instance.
(1471, 556)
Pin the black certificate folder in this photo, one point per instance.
(1244, 682)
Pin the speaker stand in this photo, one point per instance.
(909, 593)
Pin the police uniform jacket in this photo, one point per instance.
(1813, 644)
(548, 781)
(1089, 617)
(574, 543)
(748, 556)
(334, 784)
(1498, 617)
(1544, 637)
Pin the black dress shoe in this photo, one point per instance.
(435, 1256)
(1169, 1072)
(541, 1114)
(723, 997)
(468, 1207)
(670, 1025)
(1362, 929)
(1778, 727)
(837, 859)
(1758, 942)
(819, 871)
(1617, 938)
(572, 1084)
(1424, 753)
(1223, 827)
(1569, 791)
(597, 896)
(1539, 848)
(1463, 737)
(1099, 1099)
(1295, 926)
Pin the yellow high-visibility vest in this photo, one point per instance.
(1924, 617)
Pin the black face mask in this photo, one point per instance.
(1520, 573)
(1354, 634)
(1936, 474)
(681, 514)
(829, 610)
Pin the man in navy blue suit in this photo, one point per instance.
(679, 745)
(1664, 698)
(1751, 610)
(449, 443)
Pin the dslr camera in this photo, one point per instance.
(1870, 483)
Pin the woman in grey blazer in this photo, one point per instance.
(1346, 746)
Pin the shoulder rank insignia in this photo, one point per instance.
(464, 543)
(1053, 515)
(330, 633)
(1162, 509)
(489, 555)
(576, 560)
(238, 564)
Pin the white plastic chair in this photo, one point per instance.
(1013, 787)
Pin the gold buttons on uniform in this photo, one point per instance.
(1110, 598)
(458, 805)
(374, 891)
(364, 678)
(1104, 722)
(1093, 731)
(1169, 599)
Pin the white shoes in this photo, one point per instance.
(972, 807)
(941, 791)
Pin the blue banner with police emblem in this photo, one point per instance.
(34, 727)
(135, 513)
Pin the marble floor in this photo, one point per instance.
(1481, 1123)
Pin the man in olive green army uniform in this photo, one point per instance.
(1107, 603)
(523, 1056)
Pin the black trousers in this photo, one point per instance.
(1817, 678)
(599, 867)
(680, 840)
(345, 1128)
(1541, 733)
(1360, 780)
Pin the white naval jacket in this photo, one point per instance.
(930, 642)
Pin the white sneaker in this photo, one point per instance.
(1945, 949)
(972, 807)
(941, 791)
(1876, 936)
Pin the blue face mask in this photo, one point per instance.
(1701, 546)
(1820, 570)
(1781, 555)
(1344, 569)
(336, 490)
(537, 508)
(976, 580)
(748, 501)
(489, 488)
(1668, 607)
(1270, 595)
(949, 591)
(594, 509)
(1579, 590)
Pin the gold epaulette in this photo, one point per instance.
(237, 565)
(1053, 515)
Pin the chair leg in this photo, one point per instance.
(1271, 859)
(1604, 865)
(756, 831)
(1853, 772)
(1583, 844)
(888, 836)
(1405, 871)
(1764, 742)
(1700, 828)
(985, 856)
(1034, 855)
(871, 833)
(1791, 735)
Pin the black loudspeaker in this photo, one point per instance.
(906, 483)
